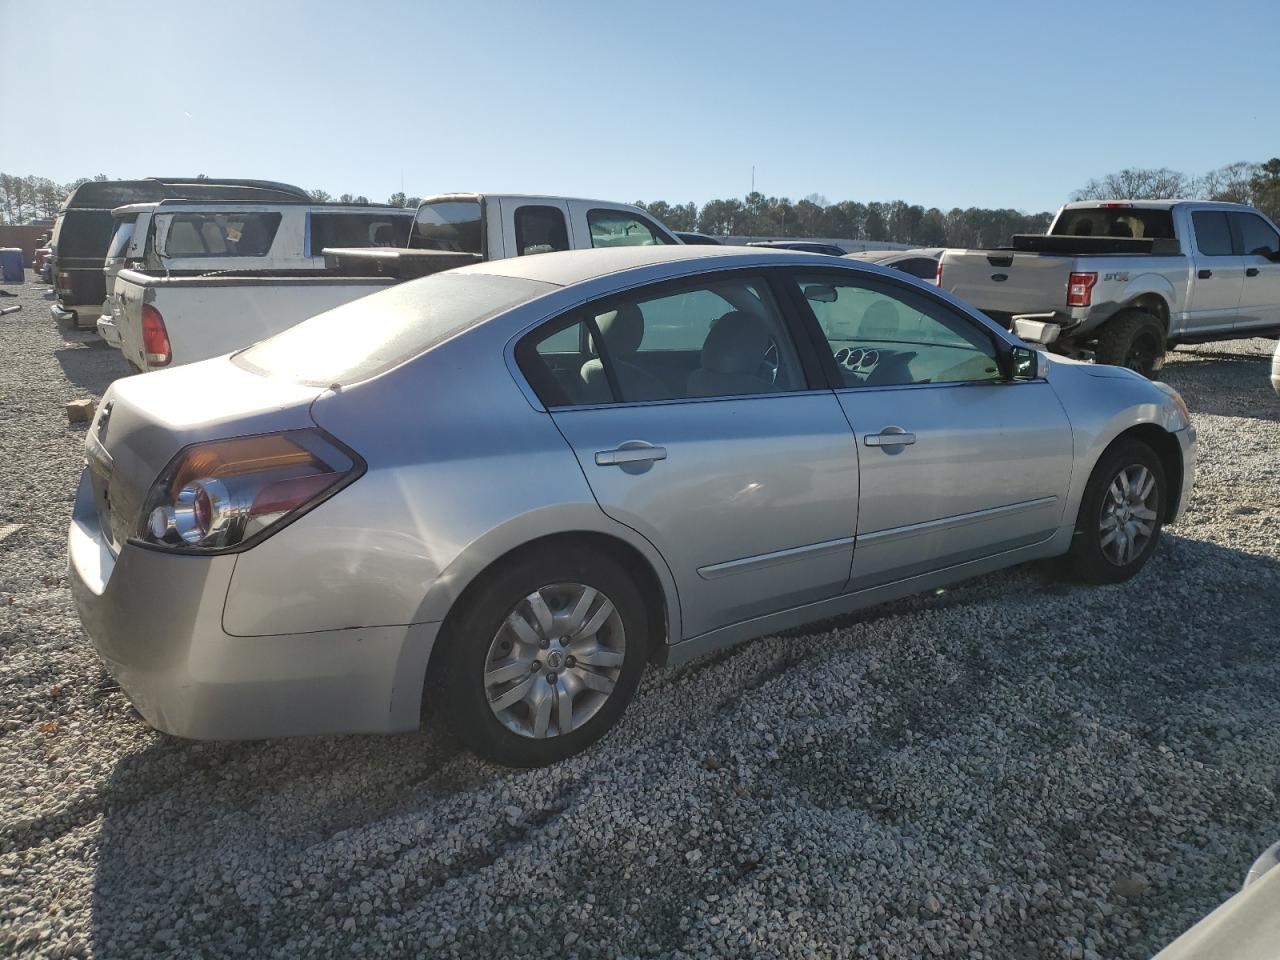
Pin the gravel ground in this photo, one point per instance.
(1011, 768)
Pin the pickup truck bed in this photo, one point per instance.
(227, 311)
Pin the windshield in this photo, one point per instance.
(452, 225)
(368, 336)
(1123, 222)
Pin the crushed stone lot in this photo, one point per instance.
(1012, 768)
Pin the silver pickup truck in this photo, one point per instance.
(1123, 281)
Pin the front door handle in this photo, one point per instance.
(633, 451)
(1251, 272)
(1205, 274)
(889, 437)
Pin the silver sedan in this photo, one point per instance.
(506, 489)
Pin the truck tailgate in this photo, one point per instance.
(1006, 282)
(210, 316)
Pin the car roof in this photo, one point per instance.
(483, 195)
(1154, 204)
(578, 266)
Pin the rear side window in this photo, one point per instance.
(540, 229)
(357, 230)
(451, 225)
(220, 234)
(1257, 237)
(120, 241)
(1213, 234)
(617, 228)
(365, 337)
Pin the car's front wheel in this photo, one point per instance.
(543, 656)
(1120, 516)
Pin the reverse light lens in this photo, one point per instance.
(1080, 289)
(220, 495)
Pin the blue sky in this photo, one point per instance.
(949, 103)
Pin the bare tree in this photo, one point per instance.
(1138, 183)
(1232, 183)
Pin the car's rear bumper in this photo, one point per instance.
(108, 330)
(156, 621)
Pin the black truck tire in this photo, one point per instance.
(1133, 339)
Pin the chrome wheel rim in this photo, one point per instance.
(555, 660)
(1130, 508)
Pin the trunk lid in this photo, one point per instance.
(143, 421)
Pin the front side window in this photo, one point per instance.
(1258, 239)
(220, 234)
(711, 339)
(881, 336)
(450, 225)
(1213, 233)
(540, 229)
(357, 230)
(617, 228)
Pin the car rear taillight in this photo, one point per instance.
(231, 493)
(155, 338)
(1080, 289)
(64, 282)
(937, 274)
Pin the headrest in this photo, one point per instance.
(622, 329)
(737, 343)
(880, 319)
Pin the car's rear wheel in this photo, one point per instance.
(1134, 339)
(1120, 516)
(543, 656)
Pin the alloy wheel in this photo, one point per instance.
(1130, 508)
(555, 660)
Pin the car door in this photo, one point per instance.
(699, 424)
(1217, 274)
(1259, 245)
(956, 463)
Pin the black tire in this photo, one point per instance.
(1087, 559)
(457, 684)
(1134, 339)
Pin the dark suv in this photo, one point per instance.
(82, 232)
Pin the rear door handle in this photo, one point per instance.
(633, 451)
(1251, 272)
(1205, 274)
(889, 437)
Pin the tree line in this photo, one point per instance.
(1258, 184)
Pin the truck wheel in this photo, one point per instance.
(1119, 522)
(1133, 339)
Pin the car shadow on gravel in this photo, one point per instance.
(234, 848)
(90, 367)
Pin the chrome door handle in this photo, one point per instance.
(633, 451)
(889, 437)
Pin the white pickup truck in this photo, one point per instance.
(176, 319)
(225, 267)
(1123, 281)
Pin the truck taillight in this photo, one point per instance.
(64, 282)
(937, 275)
(155, 338)
(1080, 289)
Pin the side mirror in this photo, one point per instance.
(1025, 363)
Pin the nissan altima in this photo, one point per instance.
(501, 491)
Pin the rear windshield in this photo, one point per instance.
(120, 242)
(1114, 222)
(358, 230)
(452, 225)
(84, 233)
(363, 338)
